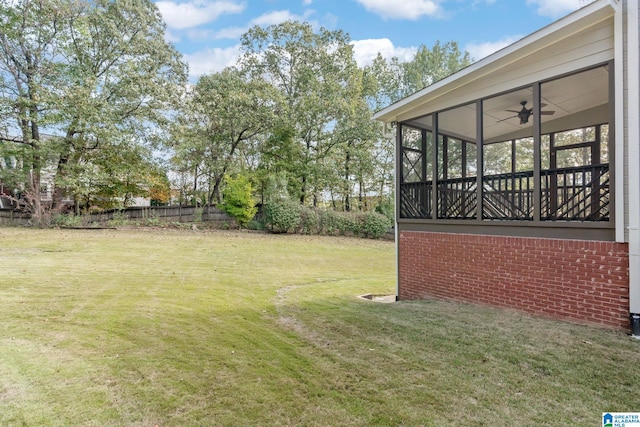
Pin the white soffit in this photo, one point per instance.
(570, 25)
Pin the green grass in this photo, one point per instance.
(181, 328)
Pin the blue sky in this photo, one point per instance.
(207, 32)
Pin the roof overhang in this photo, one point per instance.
(576, 22)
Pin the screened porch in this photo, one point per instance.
(540, 153)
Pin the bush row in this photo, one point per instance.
(288, 216)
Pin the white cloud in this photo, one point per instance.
(557, 8)
(329, 20)
(211, 60)
(169, 37)
(229, 33)
(277, 17)
(196, 12)
(405, 9)
(272, 18)
(480, 50)
(365, 51)
(307, 2)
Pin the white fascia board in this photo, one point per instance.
(552, 33)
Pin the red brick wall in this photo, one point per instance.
(576, 280)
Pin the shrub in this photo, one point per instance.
(66, 220)
(309, 220)
(255, 225)
(372, 225)
(282, 216)
(347, 223)
(238, 199)
(328, 222)
(119, 219)
(152, 221)
(386, 208)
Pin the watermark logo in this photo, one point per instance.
(621, 419)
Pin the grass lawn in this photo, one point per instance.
(182, 328)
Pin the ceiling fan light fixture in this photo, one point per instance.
(524, 117)
(524, 113)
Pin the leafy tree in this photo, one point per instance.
(276, 187)
(238, 199)
(222, 115)
(430, 65)
(31, 38)
(121, 78)
(159, 187)
(310, 69)
(93, 73)
(389, 76)
(111, 177)
(280, 160)
(355, 132)
(396, 79)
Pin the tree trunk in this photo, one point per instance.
(195, 181)
(34, 195)
(347, 202)
(216, 194)
(58, 191)
(303, 190)
(36, 172)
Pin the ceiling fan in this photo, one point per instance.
(525, 113)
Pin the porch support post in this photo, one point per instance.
(633, 141)
(434, 157)
(398, 162)
(479, 158)
(618, 129)
(399, 171)
(537, 184)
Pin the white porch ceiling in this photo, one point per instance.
(577, 100)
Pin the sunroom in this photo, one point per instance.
(518, 180)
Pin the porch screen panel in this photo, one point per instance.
(457, 163)
(575, 130)
(507, 180)
(415, 189)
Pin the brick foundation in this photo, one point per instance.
(575, 280)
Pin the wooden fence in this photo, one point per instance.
(161, 213)
(11, 217)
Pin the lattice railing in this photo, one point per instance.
(576, 194)
(415, 200)
(567, 194)
(457, 198)
(508, 196)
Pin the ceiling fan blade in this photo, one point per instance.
(508, 118)
(513, 111)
